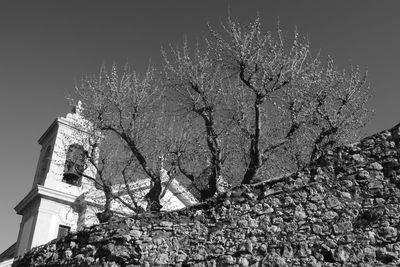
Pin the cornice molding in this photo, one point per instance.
(44, 192)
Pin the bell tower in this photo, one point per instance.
(48, 209)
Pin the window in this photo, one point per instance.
(63, 230)
(74, 165)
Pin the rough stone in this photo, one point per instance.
(376, 166)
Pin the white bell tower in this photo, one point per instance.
(48, 209)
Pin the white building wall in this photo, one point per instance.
(7, 263)
(52, 214)
(171, 202)
(26, 230)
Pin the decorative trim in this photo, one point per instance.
(44, 192)
(48, 131)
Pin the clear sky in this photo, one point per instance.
(45, 46)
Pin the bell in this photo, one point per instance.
(74, 164)
(72, 173)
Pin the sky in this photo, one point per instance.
(46, 47)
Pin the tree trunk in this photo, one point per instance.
(107, 214)
(210, 173)
(153, 196)
(214, 170)
(254, 153)
(318, 149)
(253, 166)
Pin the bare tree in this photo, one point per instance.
(246, 104)
(130, 107)
(263, 67)
(103, 161)
(339, 107)
(283, 96)
(196, 82)
(111, 161)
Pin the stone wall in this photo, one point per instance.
(344, 212)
